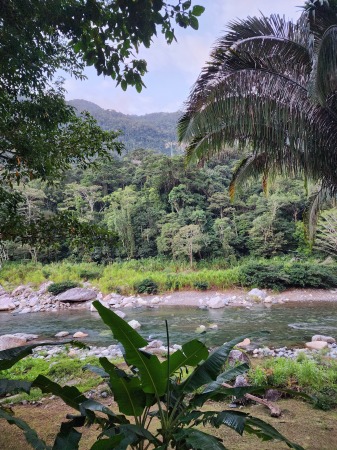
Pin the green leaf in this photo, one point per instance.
(96, 370)
(191, 354)
(198, 440)
(30, 434)
(127, 390)
(194, 23)
(197, 10)
(153, 377)
(92, 406)
(10, 386)
(267, 432)
(69, 394)
(68, 438)
(186, 5)
(209, 370)
(215, 387)
(108, 444)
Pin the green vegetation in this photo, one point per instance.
(158, 275)
(316, 378)
(145, 205)
(250, 96)
(147, 382)
(61, 369)
(58, 288)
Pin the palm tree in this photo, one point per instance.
(270, 89)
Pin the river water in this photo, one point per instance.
(289, 324)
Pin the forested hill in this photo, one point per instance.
(156, 131)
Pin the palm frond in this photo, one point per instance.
(251, 166)
(326, 69)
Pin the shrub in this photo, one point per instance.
(201, 285)
(264, 275)
(146, 286)
(88, 274)
(311, 275)
(58, 288)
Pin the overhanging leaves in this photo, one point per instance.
(154, 379)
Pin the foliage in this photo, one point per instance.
(326, 233)
(135, 207)
(307, 375)
(146, 286)
(280, 275)
(150, 382)
(58, 288)
(270, 88)
(201, 285)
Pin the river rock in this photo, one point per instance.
(244, 343)
(236, 356)
(200, 329)
(27, 337)
(77, 295)
(33, 301)
(120, 314)
(19, 290)
(6, 303)
(25, 311)
(317, 345)
(134, 324)
(80, 334)
(321, 337)
(10, 341)
(268, 299)
(62, 334)
(154, 344)
(257, 294)
(213, 326)
(43, 289)
(217, 302)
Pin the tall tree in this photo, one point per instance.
(39, 134)
(270, 88)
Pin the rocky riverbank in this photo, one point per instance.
(24, 299)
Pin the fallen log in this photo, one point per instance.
(275, 411)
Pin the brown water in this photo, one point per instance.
(290, 324)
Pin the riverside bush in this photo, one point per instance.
(280, 275)
(58, 288)
(147, 286)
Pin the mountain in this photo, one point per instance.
(156, 131)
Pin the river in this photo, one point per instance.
(289, 324)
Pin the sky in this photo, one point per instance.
(172, 69)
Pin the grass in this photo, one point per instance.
(61, 369)
(313, 377)
(170, 275)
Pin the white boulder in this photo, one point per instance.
(77, 295)
(79, 334)
(257, 294)
(321, 337)
(10, 341)
(316, 345)
(134, 324)
(6, 303)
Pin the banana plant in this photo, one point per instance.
(159, 402)
(162, 400)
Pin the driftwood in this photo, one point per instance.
(275, 411)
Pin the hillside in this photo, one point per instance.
(156, 131)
